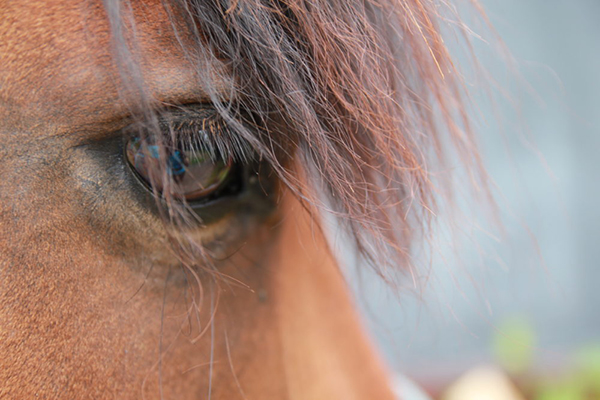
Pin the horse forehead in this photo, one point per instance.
(55, 57)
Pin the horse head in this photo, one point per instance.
(168, 170)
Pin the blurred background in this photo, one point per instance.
(525, 300)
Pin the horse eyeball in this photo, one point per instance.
(183, 172)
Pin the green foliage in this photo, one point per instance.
(558, 391)
(513, 345)
(514, 348)
(583, 383)
(588, 365)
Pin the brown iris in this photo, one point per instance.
(185, 172)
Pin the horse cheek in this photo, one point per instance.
(325, 353)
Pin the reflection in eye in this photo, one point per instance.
(188, 170)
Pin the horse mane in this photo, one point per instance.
(356, 104)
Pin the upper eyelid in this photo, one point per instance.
(189, 121)
(124, 125)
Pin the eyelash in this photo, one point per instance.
(200, 133)
(212, 134)
(178, 145)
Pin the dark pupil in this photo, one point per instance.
(185, 173)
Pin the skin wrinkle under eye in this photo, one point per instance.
(104, 180)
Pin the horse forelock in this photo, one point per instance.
(359, 100)
(355, 104)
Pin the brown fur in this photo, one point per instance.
(93, 302)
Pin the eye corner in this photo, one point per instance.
(194, 161)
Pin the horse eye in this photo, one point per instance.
(187, 172)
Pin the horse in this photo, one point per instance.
(170, 173)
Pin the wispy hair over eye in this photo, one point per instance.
(356, 104)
